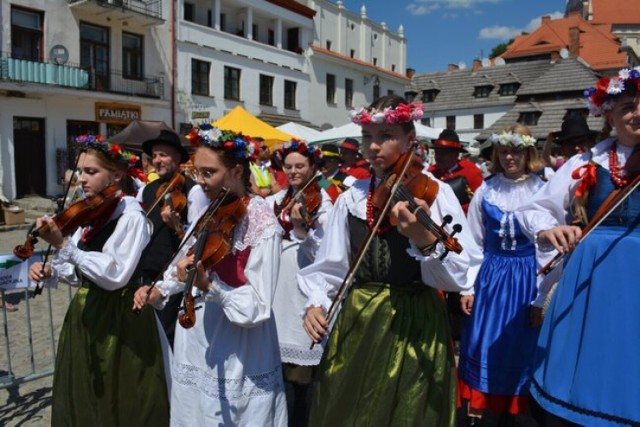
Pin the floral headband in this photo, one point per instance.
(601, 98)
(511, 139)
(238, 145)
(403, 113)
(114, 152)
(297, 146)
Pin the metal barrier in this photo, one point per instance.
(30, 334)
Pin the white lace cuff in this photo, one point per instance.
(417, 254)
(317, 299)
(468, 292)
(68, 253)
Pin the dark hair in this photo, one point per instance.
(391, 101)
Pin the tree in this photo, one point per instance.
(500, 49)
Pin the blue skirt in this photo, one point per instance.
(587, 365)
(497, 340)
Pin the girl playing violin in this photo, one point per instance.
(497, 338)
(302, 210)
(587, 370)
(226, 368)
(109, 367)
(389, 359)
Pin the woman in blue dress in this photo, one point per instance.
(497, 338)
(587, 369)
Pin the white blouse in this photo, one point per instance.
(113, 267)
(321, 280)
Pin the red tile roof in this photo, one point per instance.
(295, 7)
(319, 49)
(616, 12)
(597, 45)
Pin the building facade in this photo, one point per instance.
(70, 67)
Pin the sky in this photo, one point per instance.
(442, 32)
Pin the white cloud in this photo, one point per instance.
(423, 7)
(505, 33)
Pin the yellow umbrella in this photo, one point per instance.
(240, 120)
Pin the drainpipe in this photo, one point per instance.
(174, 60)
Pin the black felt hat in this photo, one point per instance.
(574, 127)
(448, 140)
(169, 138)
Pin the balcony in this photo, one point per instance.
(79, 77)
(144, 12)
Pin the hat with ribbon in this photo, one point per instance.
(350, 144)
(448, 140)
(169, 138)
(330, 150)
(574, 127)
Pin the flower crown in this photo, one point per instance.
(113, 151)
(238, 145)
(403, 113)
(512, 139)
(601, 98)
(298, 146)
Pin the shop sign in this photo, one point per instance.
(200, 115)
(117, 113)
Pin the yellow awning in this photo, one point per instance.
(240, 120)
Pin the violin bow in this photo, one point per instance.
(39, 285)
(364, 246)
(166, 190)
(610, 206)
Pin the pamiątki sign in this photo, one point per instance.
(117, 113)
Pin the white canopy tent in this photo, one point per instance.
(299, 131)
(352, 130)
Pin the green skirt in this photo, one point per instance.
(109, 366)
(389, 361)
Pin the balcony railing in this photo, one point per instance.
(151, 8)
(79, 77)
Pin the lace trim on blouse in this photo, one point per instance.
(508, 194)
(228, 389)
(259, 224)
(301, 355)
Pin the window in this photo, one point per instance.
(376, 90)
(132, 56)
(331, 89)
(94, 53)
(254, 32)
(232, 83)
(200, 77)
(429, 95)
(390, 92)
(328, 44)
(352, 53)
(271, 37)
(426, 121)
(451, 122)
(289, 95)
(209, 18)
(223, 22)
(478, 121)
(266, 90)
(189, 12)
(26, 34)
(509, 89)
(393, 67)
(482, 91)
(375, 61)
(529, 118)
(348, 93)
(410, 96)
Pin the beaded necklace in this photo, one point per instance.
(372, 211)
(618, 176)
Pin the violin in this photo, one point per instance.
(610, 204)
(214, 237)
(79, 214)
(403, 182)
(309, 196)
(171, 193)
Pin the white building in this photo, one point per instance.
(69, 67)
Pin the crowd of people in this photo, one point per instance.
(335, 284)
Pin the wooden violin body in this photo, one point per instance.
(79, 214)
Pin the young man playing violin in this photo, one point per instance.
(389, 358)
(167, 153)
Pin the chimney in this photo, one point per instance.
(452, 67)
(410, 73)
(477, 64)
(545, 20)
(574, 42)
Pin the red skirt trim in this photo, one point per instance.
(495, 403)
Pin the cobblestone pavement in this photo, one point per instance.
(29, 403)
